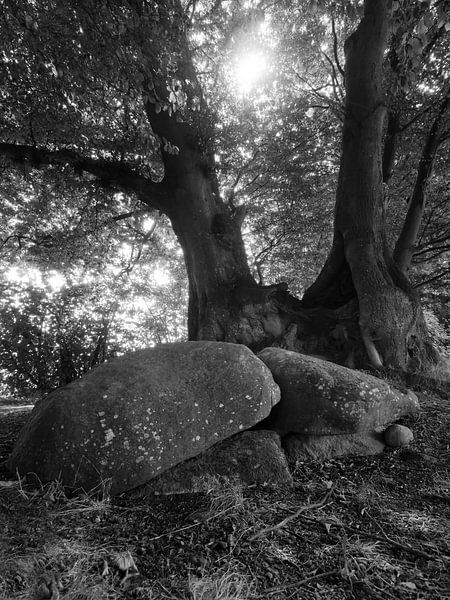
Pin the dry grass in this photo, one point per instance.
(225, 496)
(73, 566)
(221, 584)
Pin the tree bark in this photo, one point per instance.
(390, 145)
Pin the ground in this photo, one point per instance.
(353, 528)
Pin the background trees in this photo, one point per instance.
(111, 111)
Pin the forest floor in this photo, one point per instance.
(354, 528)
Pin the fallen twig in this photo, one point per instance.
(402, 545)
(382, 538)
(191, 526)
(296, 584)
(292, 517)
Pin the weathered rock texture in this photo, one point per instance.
(249, 458)
(398, 436)
(319, 397)
(133, 417)
(300, 447)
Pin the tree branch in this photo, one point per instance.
(335, 48)
(405, 246)
(431, 279)
(114, 173)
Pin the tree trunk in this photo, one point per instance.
(225, 302)
(209, 234)
(360, 263)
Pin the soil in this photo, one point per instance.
(358, 527)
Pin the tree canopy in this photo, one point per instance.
(220, 122)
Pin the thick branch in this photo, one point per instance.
(108, 172)
(404, 248)
(189, 127)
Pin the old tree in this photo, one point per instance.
(122, 94)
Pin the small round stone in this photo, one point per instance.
(398, 436)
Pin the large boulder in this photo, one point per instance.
(248, 458)
(319, 397)
(133, 417)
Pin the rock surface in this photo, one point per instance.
(136, 416)
(249, 458)
(319, 397)
(300, 447)
(398, 436)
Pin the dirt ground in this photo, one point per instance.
(354, 528)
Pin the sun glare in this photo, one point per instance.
(250, 69)
(160, 277)
(148, 224)
(56, 281)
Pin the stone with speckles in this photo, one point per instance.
(319, 397)
(136, 416)
(248, 458)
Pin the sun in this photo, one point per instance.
(250, 69)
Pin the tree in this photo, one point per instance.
(360, 262)
(116, 97)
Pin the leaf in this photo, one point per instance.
(410, 585)
(422, 28)
(124, 561)
(428, 19)
(8, 484)
(105, 570)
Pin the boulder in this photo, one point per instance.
(248, 458)
(398, 436)
(136, 416)
(300, 447)
(322, 398)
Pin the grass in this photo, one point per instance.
(71, 565)
(354, 528)
(222, 584)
